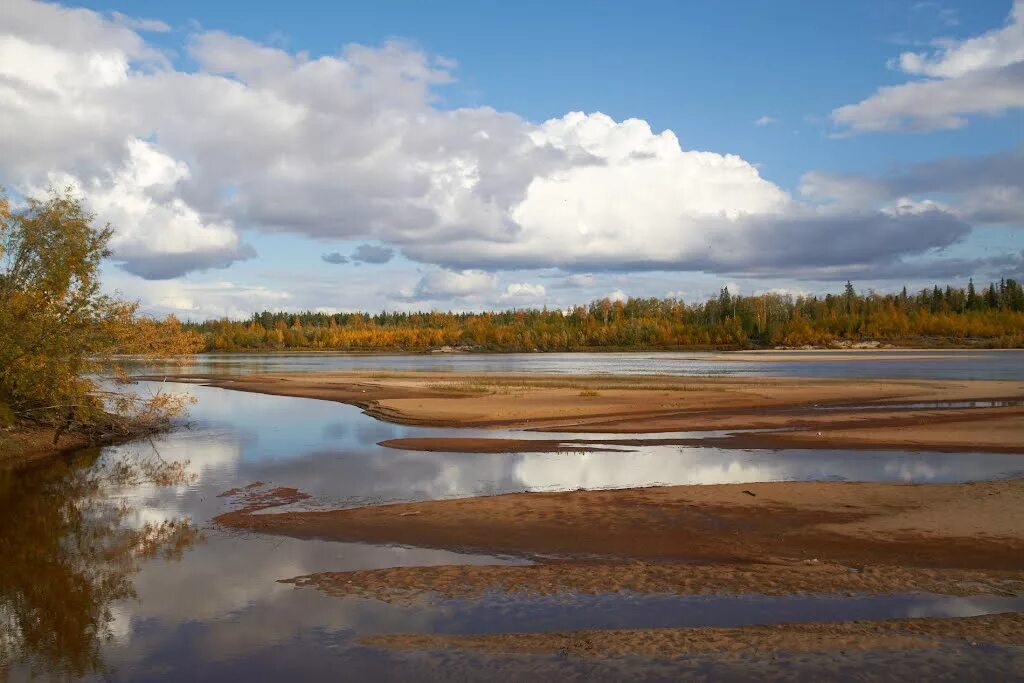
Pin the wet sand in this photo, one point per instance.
(967, 526)
(413, 584)
(23, 444)
(637, 405)
(999, 430)
(887, 635)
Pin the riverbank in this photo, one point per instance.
(951, 415)
(23, 444)
(26, 442)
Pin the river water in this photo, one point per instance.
(112, 569)
(955, 364)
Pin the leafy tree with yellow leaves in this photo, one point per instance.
(57, 329)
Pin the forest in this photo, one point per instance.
(991, 316)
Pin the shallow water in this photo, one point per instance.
(330, 451)
(126, 578)
(979, 364)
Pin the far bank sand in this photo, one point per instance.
(903, 413)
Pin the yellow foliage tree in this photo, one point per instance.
(57, 328)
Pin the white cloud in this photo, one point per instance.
(444, 284)
(765, 121)
(980, 75)
(351, 146)
(617, 295)
(996, 48)
(524, 290)
(981, 190)
(159, 235)
(150, 25)
(200, 300)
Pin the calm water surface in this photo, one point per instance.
(981, 364)
(108, 574)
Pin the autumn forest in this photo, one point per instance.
(989, 316)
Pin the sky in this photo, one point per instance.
(487, 155)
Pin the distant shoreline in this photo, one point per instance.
(725, 353)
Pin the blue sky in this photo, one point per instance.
(698, 68)
(706, 71)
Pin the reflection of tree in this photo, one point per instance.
(67, 553)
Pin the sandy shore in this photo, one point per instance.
(895, 634)
(24, 445)
(413, 584)
(822, 413)
(968, 526)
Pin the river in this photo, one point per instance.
(114, 571)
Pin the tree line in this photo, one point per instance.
(991, 316)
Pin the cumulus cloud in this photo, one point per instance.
(369, 253)
(980, 75)
(334, 257)
(352, 146)
(765, 121)
(986, 189)
(159, 235)
(524, 290)
(445, 284)
(940, 269)
(200, 300)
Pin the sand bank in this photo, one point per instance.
(413, 584)
(894, 634)
(635, 405)
(969, 526)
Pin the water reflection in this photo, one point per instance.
(95, 577)
(500, 612)
(974, 364)
(330, 450)
(69, 554)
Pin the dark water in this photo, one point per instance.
(110, 568)
(980, 364)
